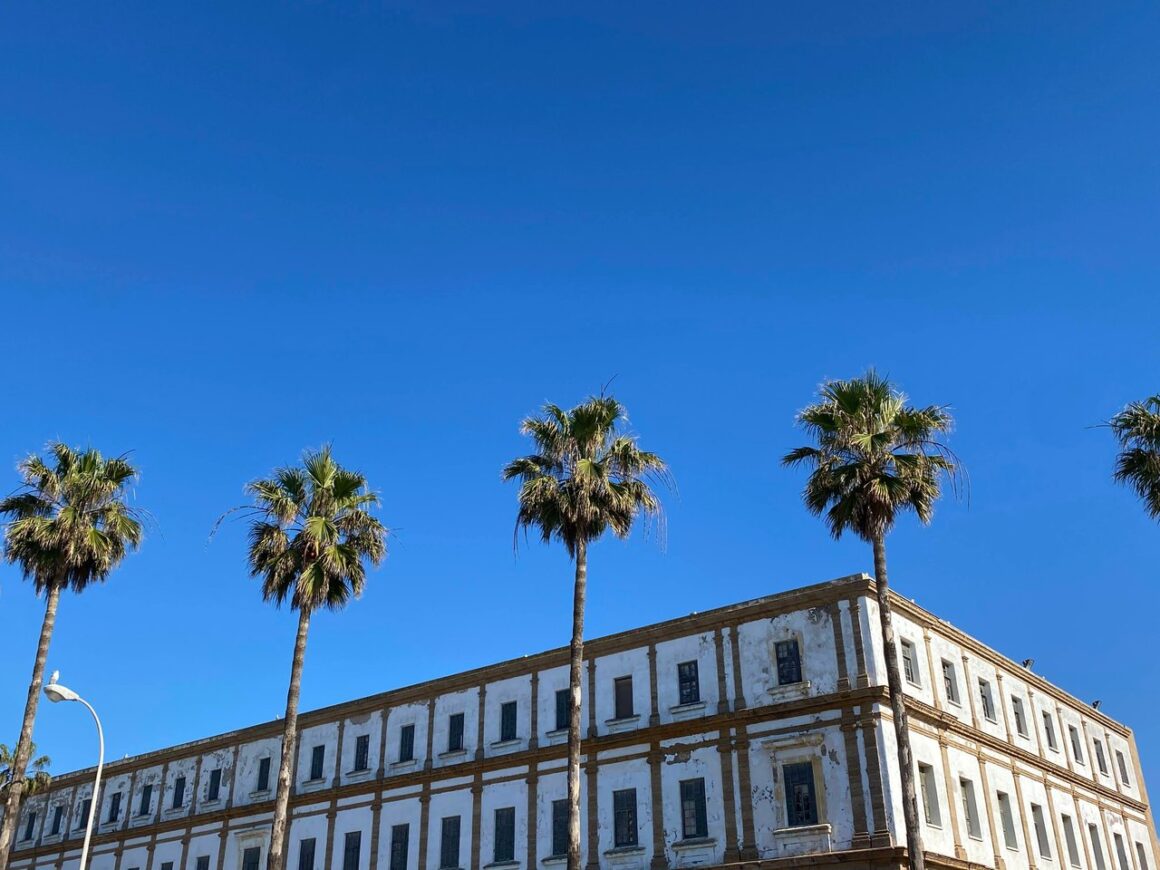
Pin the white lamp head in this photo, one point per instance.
(55, 692)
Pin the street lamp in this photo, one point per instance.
(55, 692)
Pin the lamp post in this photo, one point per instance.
(55, 692)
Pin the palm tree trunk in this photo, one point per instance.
(575, 665)
(24, 744)
(277, 857)
(898, 708)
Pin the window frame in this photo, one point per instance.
(970, 809)
(1039, 822)
(790, 779)
(694, 809)
(928, 791)
(789, 667)
(509, 712)
(987, 700)
(317, 762)
(625, 832)
(1020, 716)
(564, 706)
(1049, 730)
(262, 782)
(508, 840)
(352, 850)
(951, 682)
(1007, 820)
(909, 655)
(302, 852)
(623, 706)
(456, 741)
(406, 742)
(559, 828)
(1069, 840)
(1076, 744)
(399, 846)
(446, 836)
(179, 784)
(688, 683)
(362, 753)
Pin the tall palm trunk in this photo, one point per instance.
(24, 744)
(898, 708)
(277, 856)
(575, 664)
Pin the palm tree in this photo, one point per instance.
(873, 457)
(586, 477)
(39, 781)
(1137, 428)
(67, 526)
(311, 534)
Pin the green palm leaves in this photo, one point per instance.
(872, 457)
(313, 533)
(68, 524)
(1137, 428)
(39, 780)
(586, 476)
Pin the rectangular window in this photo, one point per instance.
(1142, 855)
(1123, 767)
(114, 807)
(455, 733)
(30, 826)
(1101, 759)
(950, 681)
(362, 752)
(1007, 820)
(507, 720)
(57, 818)
(146, 800)
(351, 850)
(215, 784)
(1121, 852)
(694, 823)
(970, 809)
(910, 663)
(505, 835)
(1040, 830)
(559, 828)
(563, 708)
(449, 844)
(252, 858)
(306, 854)
(166, 865)
(789, 662)
(929, 791)
(801, 803)
(622, 686)
(202, 862)
(400, 836)
(1049, 730)
(83, 815)
(1097, 849)
(1020, 720)
(407, 743)
(1069, 839)
(688, 683)
(1076, 745)
(624, 817)
(986, 700)
(317, 760)
(179, 793)
(263, 774)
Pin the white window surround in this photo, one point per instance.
(627, 723)
(687, 711)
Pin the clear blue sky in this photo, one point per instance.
(231, 232)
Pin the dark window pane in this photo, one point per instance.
(317, 758)
(623, 687)
(689, 682)
(203, 862)
(264, 774)
(215, 784)
(114, 807)
(306, 854)
(563, 708)
(400, 834)
(179, 792)
(407, 743)
(83, 815)
(505, 834)
(507, 721)
(800, 800)
(57, 817)
(146, 800)
(693, 819)
(449, 844)
(789, 662)
(362, 752)
(455, 733)
(351, 850)
(624, 817)
(559, 828)
(29, 826)
(166, 865)
(251, 858)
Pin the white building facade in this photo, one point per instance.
(758, 732)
